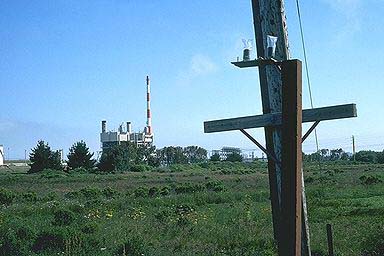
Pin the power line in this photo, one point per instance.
(306, 64)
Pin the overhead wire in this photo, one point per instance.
(306, 64)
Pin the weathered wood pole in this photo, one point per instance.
(269, 19)
(290, 236)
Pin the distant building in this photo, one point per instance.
(109, 139)
(124, 134)
(225, 151)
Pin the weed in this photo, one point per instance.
(6, 196)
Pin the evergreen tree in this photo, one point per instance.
(42, 157)
(79, 156)
(215, 157)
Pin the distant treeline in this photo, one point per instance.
(366, 156)
(124, 157)
(130, 157)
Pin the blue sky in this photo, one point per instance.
(66, 65)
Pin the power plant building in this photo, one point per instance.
(125, 134)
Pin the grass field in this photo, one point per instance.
(205, 209)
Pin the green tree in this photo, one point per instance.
(42, 157)
(172, 155)
(195, 154)
(79, 156)
(119, 158)
(380, 157)
(215, 157)
(147, 155)
(367, 156)
(234, 157)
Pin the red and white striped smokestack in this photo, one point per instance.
(149, 121)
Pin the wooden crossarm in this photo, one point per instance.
(274, 119)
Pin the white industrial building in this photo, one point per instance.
(125, 133)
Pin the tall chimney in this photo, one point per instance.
(149, 121)
(103, 126)
(129, 127)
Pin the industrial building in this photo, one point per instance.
(125, 133)
(224, 152)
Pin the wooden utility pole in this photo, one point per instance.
(269, 19)
(353, 148)
(291, 205)
(280, 82)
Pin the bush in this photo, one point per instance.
(164, 191)
(141, 192)
(134, 246)
(110, 192)
(90, 192)
(50, 174)
(369, 180)
(140, 168)
(188, 188)
(16, 238)
(53, 240)
(90, 228)
(153, 191)
(63, 217)
(216, 186)
(374, 243)
(6, 196)
(29, 196)
(79, 170)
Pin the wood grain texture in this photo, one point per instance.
(275, 119)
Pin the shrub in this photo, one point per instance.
(374, 243)
(369, 180)
(216, 186)
(53, 240)
(163, 215)
(50, 174)
(90, 192)
(6, 196)
(110, 192)
(140, 192)
(188, 188)
(139, 168)
(134, 246)
(164, 191)
(16, 238)
(183, 209)
(81, 170)
(29, 196)
(153, 191)
(90, 228)
(63, 217)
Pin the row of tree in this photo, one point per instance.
(43, 157)
(366, 156)
(129, 157)
(125, 156)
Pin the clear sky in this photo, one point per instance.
(66, 64)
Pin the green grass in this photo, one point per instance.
(203, 209)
